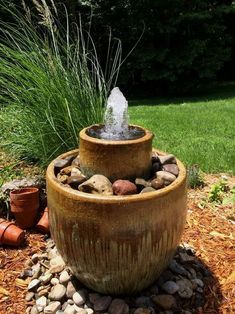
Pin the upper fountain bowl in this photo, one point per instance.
(98, 131)
(116, 159)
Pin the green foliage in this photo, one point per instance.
(183, 44)
(52, 85)
(217, 191)
(195, 177)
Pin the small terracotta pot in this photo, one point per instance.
(43, 224)
(24, 205)
(10, 234)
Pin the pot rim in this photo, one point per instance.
(86, 197)
(4, 225)
(148, 135)
(24, 191)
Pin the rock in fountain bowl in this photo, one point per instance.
(116, 244)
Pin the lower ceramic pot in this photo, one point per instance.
(116, 244)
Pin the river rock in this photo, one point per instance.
(155, 157)
(167, 159)
(142, 310)
(157, 183)
(170, 287)
(62, 178)
(64, 277)
(156, 166)
(34, 310)
(165, 301)
(57, 292)
(177, 268)
(166, 177)
(185, 288)
(59, 163)
(67, 170)
(75, 181)
(76, 161)
(43, 292)
(46, 278)
(76, 172)
(70, 290)
(69, 310)
(141, 183)
(41, 303)
(148, 189)
(55, 269)
(34, 284)
(172, 168)
(124, 187)
(198, 282)
(142, 301)
(52, 307)
(102, 303)
(29, 296)
(97, 184)
(93, 297)
(57, 261)
(79, 297)
(118, 306)
(54, 281)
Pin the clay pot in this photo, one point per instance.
(117, 244)
(125, 159)
(43, 224)
(24, 205)
(10, 234)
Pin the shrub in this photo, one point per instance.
(52, 85)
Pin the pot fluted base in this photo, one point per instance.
(117, 244)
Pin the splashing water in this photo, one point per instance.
(116, 120)
(116, 116)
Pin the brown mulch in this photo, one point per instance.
(209, 229)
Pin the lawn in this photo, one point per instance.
(197, 130)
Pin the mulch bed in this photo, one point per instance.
(209, 229)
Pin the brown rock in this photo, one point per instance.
(97, 184)
(172, 168)
(124, 187)
(76, 161)
(67, 170)
(118, 306)
(167, 159)
(156, 166)
(76, 172)
(167, 177)
(148, 189)
(102, 303)
(75, 181)
(165, 301)
(157, 183)
(62, 178)
(142, 310)
(61, 163)
(141, 183)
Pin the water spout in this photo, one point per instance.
(116, 116)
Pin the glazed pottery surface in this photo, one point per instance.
(125, 159)
(24, 205)
(116, 244)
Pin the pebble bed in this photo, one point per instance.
(54, 290)
(163, 172)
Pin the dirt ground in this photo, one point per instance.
(209, 230)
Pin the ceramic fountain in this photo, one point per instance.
(116, 244)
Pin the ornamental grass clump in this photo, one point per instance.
(51, 84)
